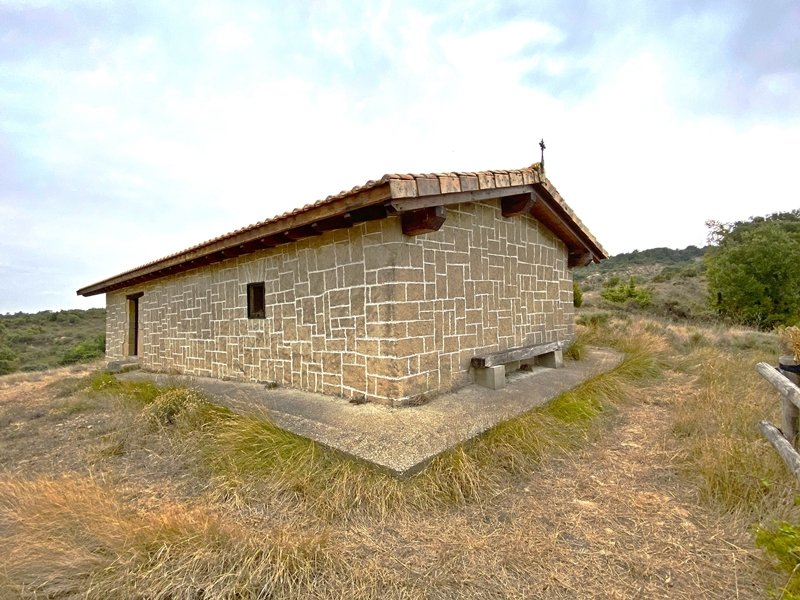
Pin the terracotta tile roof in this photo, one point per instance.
(373, 192)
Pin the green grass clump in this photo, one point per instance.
(142, 392)
(782, 542)
(180, 403)
(574, 407)
(597, 319)
(160, 405)
(249, 445)
(73, 406)
(576, 349)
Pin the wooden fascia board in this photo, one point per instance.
(401, 205)
(205, 254)
(562, 218)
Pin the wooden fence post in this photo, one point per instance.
(790, 393)
(788, 367)
(782, 446)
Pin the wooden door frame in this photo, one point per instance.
(133, 324)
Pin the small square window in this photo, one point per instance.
(256, 304)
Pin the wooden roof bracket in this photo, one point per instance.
(518, 204)
(579, 259)
(423, 220)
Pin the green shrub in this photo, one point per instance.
(49, 339)
(627, 292)
(85, 351)
(577, 295)
(782, 542)
(666, 274)
(594, 319)
(8, 361)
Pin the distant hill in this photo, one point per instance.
(674, 280)
(653, 257)
(34, 342)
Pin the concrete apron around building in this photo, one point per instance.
(400, 440)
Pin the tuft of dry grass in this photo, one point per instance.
(790, 337)
(720, 444)
(74, 537)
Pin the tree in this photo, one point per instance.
(754, 270)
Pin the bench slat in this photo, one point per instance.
(513, 354)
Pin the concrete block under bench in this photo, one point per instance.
(490, 369)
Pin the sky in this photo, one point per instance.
(132, 130)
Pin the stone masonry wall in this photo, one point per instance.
(362, 312)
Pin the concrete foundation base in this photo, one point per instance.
(400, 440)
(119, 366)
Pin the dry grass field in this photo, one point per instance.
(647, 482)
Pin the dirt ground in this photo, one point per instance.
(612, 520)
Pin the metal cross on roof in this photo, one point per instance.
(542, 146)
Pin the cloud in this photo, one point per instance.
(129, 131)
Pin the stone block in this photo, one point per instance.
(493, 378)
(554, 360)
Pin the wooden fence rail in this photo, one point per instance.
(784, 440)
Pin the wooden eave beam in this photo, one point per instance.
(585, 243)
(368, 213)
(299, 233)
(354, 204)
(544, 213)
(550, 216)
(408, 204)
(333, 223)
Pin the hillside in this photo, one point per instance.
(671, 283)
(47, 339)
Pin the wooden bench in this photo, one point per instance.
(490, 369)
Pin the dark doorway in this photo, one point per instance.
(133, 324)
